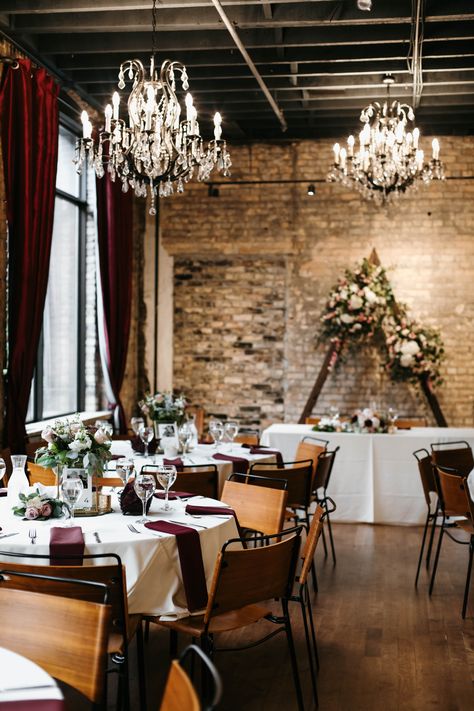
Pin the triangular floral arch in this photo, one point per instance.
(361, 305)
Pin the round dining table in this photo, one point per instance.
(24, 686)
(151, 559)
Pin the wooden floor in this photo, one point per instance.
(383, 645)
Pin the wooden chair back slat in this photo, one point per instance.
(324, 469)
(179, 694)
(455, 494)
(42, 475)
(66, 637)
(310, 450)
(201, 479)
(257, 508)
(406, 423)
(298, 475)
(114, 481)
(311, 542)
(460, 458)
(252, 575)
(425, 467)
(312, 420)
(248, 436)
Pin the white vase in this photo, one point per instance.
(18, 482)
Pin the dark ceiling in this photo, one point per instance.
(321, 60)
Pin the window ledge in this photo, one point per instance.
(35, 428)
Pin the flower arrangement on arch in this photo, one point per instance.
(39, 507)
(71, 443)
(163, 407)
(412, 351)
(357, 304)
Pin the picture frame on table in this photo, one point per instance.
(168, 431)
(88, 499)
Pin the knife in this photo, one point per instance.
(7, 535)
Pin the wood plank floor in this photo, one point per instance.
(383, 645)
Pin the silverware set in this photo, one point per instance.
(32, 535)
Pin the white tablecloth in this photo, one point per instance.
(23, 680)
(375, 477)
(154, 581)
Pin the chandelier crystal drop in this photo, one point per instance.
(388, 160)
(158, 145)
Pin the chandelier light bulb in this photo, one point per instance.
(116, 104)
(337, 150)
(364, 5)
(435, 147)
(217, 126)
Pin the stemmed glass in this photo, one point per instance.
(105, 426)
(71, 488)
(144, 486)
(137, 423)
(231, 429)
(146, 435)
(392, 417)
(216, 430)
(124, 469)
(166, 475)
(185, 435)
(3, 467)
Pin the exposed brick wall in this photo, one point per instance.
(426, 242)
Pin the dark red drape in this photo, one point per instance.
(29, 132)
(114, 224)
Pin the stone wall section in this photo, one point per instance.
(426, 241)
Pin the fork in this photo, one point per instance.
(135, 530)
(132, 528)
(32, 535)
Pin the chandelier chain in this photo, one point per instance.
(153, 29)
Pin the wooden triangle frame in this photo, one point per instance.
(329, 362)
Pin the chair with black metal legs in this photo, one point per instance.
(310, 447)
(453, 454)
(180, 693)
(320, 483)
(198, 479)
(425, 467)
(244, 580)
(455, 501)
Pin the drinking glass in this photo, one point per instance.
(392, 416)
(185, 435)
(166, 475)
(334, 413)
(231, 429)
(71, 488)
(146, 435)
(144, 486)
(216, 430)
(137, 423)
(124, 469)
(3, 466)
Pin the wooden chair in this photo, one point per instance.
(199, 479)
(321, 482)
(243, 579)
(65, 636)
(258, 508)
(180, 694)
(455, 501)
(425, 468)
(310, 448)
(40, 475)
(61, 579)
(457, 455)
(199, 414)
(312, 420)
(406, 423)
(248, 435)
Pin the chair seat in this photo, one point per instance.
(220, 623)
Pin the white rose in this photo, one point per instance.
(77, 445)
(346, 318)
(354, 287)
(343, 294)
(370, 295)
(410, 348)
(355, 302)
(101, 436)
(406, 360)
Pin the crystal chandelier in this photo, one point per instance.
(154, 147)
(388, 161)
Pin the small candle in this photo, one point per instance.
(217, 126)
(435, 147)
(350, 145)
(416, 136)
(85, 125)
(337, 150)
(108, 117)
(189, 106)
(115, 103)
(419, 158)
(343, 157)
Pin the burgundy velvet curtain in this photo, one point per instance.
(29, 133)
(114, 224)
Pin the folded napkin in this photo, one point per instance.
(262, 449)
(178, 463)
(138, 446)
(66, 546)
(33, 705)
(173, 495)
(213, 511)
(130, 503)
(239, 464)
(190, 558)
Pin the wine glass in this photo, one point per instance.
(71, 488)
(231, 429)
(185, 435)
(3, 467)
(146, 435)
(166, 475)
(137, 423)
(334, 413)
(124, 469)
(392, 417)
(144, 486)
(216, 430)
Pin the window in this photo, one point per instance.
(65, 376)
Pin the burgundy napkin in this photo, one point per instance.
(213, 511)
(66, 546)
(130, 503)
(138, 446)
(33, 705)
(173, 495)
(239, 465)
(262, 449)
(190, 558)
(178, 463)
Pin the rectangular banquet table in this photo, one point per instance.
(375, 477)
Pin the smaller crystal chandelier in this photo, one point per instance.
(389, 160)
(154, 147)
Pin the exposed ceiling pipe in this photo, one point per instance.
(415, 66)
(231, 29)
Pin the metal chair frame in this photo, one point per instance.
(325, 498)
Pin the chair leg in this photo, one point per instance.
(314, 576)
(294, 661)
(331, 539)
(420, 557)
(312, 664)
(438, 549)
(468, 577)
(432, 535)
(173, 644)
(141, 669)
(323, 536)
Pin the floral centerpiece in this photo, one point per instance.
(357, 304)
(37, 506)
(369, 422)
(71, 443)
(163, 407)
(413, 351)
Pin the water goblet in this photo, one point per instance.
(166, 476)
(185, 435)
(231, 429)
(136, 423)
(146, 435)
(144, 486)
(216, 430)
(334, 413)
(71, 488)
(124, 469)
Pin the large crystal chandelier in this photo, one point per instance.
(388, 160)
(156, 145)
